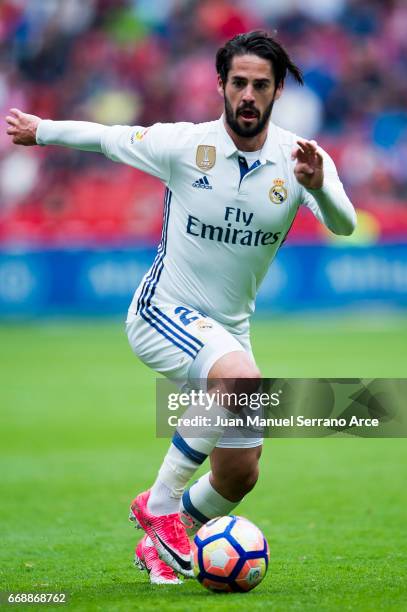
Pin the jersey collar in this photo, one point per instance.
(269, 153)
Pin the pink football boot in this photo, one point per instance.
(167, 534)
(146, 557)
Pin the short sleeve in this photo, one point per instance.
(145, 148)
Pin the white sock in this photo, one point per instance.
(175, 472)
(182, 460)
(201, 502)
(161, 501)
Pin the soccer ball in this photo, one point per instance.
(230, 554)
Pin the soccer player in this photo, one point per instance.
(233, 189)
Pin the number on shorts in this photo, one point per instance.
(185, 315)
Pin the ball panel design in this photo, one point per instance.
(219, 558)
(213, 527)
(247, 535)
(252, 573)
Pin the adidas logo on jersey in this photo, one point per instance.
(202, 183)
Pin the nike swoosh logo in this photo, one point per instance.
(186, 565)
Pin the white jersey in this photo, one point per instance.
(222, 227)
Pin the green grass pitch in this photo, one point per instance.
(77, 442)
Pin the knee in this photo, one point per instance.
(242, 378)
(244, 381)
(234, 366)
(246, 370)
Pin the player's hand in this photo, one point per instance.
(308, 170)
(22, 127)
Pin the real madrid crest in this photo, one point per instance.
(205, 157)
(278, 193)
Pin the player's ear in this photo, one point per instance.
(279, 91)
(220, 86)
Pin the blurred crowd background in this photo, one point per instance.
(142, 61)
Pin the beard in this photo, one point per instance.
(251, 130)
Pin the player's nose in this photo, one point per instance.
(248, 94)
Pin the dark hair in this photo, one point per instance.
(262, 44)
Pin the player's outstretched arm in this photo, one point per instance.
(150, 149)
(324, 193)
(30, 130)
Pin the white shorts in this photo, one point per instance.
(183, 345)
